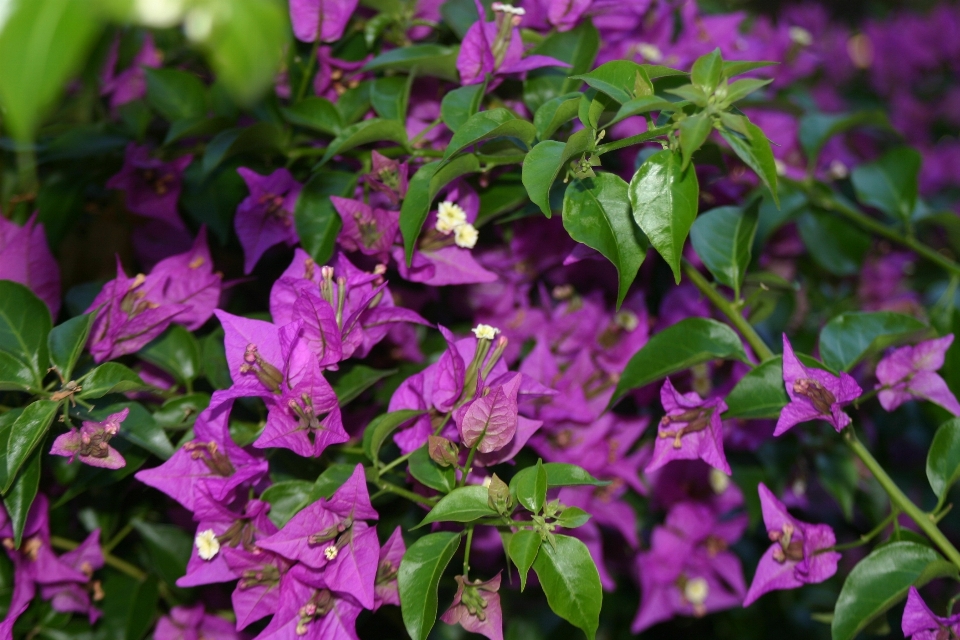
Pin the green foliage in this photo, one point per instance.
(420, 572)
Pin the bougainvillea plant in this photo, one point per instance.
(417, 318)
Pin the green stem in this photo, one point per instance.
(466, 551)
(865, 397)
(406, 456)
(115, 540)
(417, 138)
(632, 140)
(867, 537)
(469, 462)
(120, 565)
(730, 310)
(925, 521)
(308, 73)
(27, 168)
(403, 493)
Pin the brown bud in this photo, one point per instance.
(442, 451)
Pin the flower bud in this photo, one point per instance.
(442, 451)
(498, 496)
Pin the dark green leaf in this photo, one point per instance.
(356, 380)
(736, 67)
(742, 88)
(175, 351)
(706, 71)
(317, 221)
(180, 413)
(641, 105)
(365, 132)
(816, 129)
(664, 200)
(428, 59)
(287, 499)
(65, 343)
(129, 606)
(890, 182)
(195, 128)
(943, 458)
(838, 474)
(678, 347)
(833, 243)
(111, 377)
(881, 580)
(24, 326)
(430, 474)
(215, 368)
(617, 79)
(760, 393)
(461, 104)
(424, 187)
(15, 374)
(849, 336)
(523, 548)
(418, 577)
(464, 504)
(546, 160)
(331, 480)
(596, 212)
(19, 497)
(487, 125)
(24, 436)
(754, 150)
(168, 548)
(380, 429)
(559, 474)
(577, 47)
(530, 488)
(315, 113)
(723, 239)
(693, 133)
(389, 97)
(176, 94)
(261, 138)
(573, 517)
(571, 583)
(555, 113)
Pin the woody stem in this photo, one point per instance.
(120, 565)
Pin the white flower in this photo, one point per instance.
(159, 13)
(696, 591)
(801, 36)
(650, 52)
(485, 332)
(198, 25)
(719, 481)
(466, 236)
(330, 553)
(450, 216)
(207, 544)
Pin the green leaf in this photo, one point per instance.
(19, 497)
(380, 429)
(389, 97)
(24, 436)
(690, 93)
(331, 480)
(678, 347)
(365, 132)
(531, 488)
(15, 375)
(317, 221)
(181, 412)
(616, 79)
(889, 183)
(215, 368)
(487, 125)
(287, 499)
(849, 336)
(111, 377)
(460, 104)
(463, 504)
(168, 548)
(423, 188)
(816, 129)
(175, 351)
(723, 239)
(429, 473)
(596, 212)
(546, 160)
(24, 326)
(315, 113)
(354, 104)
(129, 606)
(140, 428)
(261, 138)
(592, 106)
(641, 105)
(523, 548)
(754, 150)
(357, 379)
(881, 580)
(417, 579)
(176, 94)
(573, 517)
(742, 88)
(559, 474)
(428, 59)
(736, 67)
(65, 343)
(570, 581)
(837, 472)
(42, 43)
(706, 71)
(833, 243)
(577, 47)
(664, 200)
(555, 113)
(760, 393)
(943, 458)
(195, 127)
(693, 133)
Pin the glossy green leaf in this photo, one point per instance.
(816, 129)
(616, 79)
(690, 93)
(545, 161)
(640, 106)
(286, 499)
(523, 548)
(881, 580)
(65, 343)
(179, 413)
(129, 606)
(429, 473)
(559, 474)
(20, 496)
(427, 59)
(573, 517)
(261, 138)
(664, 200)
(42, 43)
(357, 379)
(24, 436)
(742, 88)
(417, 579)
(331, 479)
(168, 548)
(176, 94)
(463, 504)
(555, 113)
(423, 188)
(365, 132)
(707, 70)
(24, 326)
(678, 347)
(889, 183)
(380, 429)
(175, 351)
(848, 337)
(733, 68)
(943, 458)
(15, 374)
(487, 125)
(461, 104)
(723, 239)
(693, 133)
(833, 243)
(317, 221)
(754, 149)
(592, 106)
(389, 97)
(570, 581)
(111, 377)
(315, 113)
(531, 488)
(760, 393)
(596, 212)
(578, 47)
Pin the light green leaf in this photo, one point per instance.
(464, 504)
(430, 474)
(523, 549)
(317, 221)
(559, 474)
(487, 125)
(693, 133)
(571, 583)
(545, 161)
(707, 70)
(111, 377)
(461, 104)
(889, 183)
(417, 579)
(555, 113)
(365, 132)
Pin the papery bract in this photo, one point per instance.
(92, 442)
(152, 186)
(920, 623)
(320, 19)
(265, 217)
(25, 258)
(691, 429)
(910, 372)
(476, 607)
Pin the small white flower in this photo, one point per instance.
(650, 52)
(198, 25)
(485, 332)
(801, 36)
(719, 481)
(696, 591)
(450, 216)
(627, 320)
(838, 170)
(207, 544)
(159, 13)
(466, 236)
(781, 168)
(330, 553)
